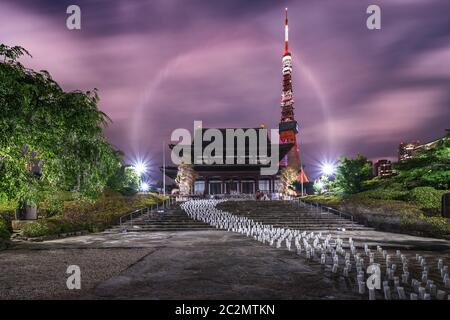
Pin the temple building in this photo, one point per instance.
(235, 178)
(246, 178)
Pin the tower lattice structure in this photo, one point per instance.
(288, 125)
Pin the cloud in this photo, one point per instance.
(161, 64)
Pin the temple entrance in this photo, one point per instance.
(231, 187)
(215, 187)
(248, 187)
(199, 187)
(264, 186)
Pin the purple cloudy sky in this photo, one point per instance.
(161, 64)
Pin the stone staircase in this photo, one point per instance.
(290, 215)
(173, 219)
(280, 214)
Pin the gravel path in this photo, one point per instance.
(41, 274)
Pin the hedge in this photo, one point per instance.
(92, 217)
(427, 198)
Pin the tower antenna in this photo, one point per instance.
(286, 32)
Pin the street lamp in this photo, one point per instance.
(140, 168)
(320, 185)
(144, 186)
(328, 169)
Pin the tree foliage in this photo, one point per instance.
(126, 181)
(50, 140)
(428, 167)
(323, 185)
(185, 178)
(352, 174)
(287, 179)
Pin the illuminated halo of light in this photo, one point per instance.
(328, 169)
(140, 167)
(320, 185)
(144, 187)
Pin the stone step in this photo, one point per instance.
(150, 228)
(303, 219)
(166, 229)
(145, 221)
(286, 215)
(300, 219)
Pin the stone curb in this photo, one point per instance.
(53, 237)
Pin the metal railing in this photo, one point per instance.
(320, 208)
(163, 204)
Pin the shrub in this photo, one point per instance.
(4, 230)
(6, 215)
(389, 215)
(52, 204)
(327, 200)
(427, 198)
(128, 191)
(35, 229)
(427, 226)
(385, 194)
(93, 217)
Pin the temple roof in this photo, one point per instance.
(239, 148)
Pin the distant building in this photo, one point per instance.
(406, 150)
(370, 162)
(383, 168)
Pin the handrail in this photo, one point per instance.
(321, 207)
(163, 203)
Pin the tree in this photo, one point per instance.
(323, 185)
(185, 178)
(50, 140)
(428, 167)
(126, 181)
(351, 174)
(287, 180)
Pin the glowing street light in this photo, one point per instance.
(320, 185)
(328, 169)
(144, 187)
(140, 168)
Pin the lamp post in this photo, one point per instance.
(164, 169)
(301, 181)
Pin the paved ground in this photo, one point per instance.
(202, 264)
(180, 265)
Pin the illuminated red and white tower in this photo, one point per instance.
(288, 125)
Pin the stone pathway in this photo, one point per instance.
(165, 265)
(183, 264)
